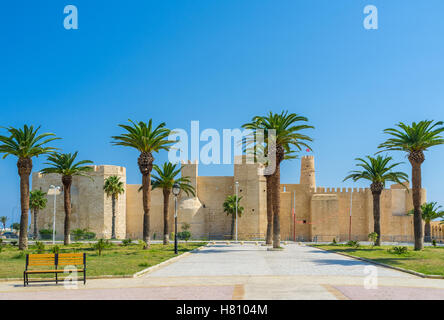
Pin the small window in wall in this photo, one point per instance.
(285, 189)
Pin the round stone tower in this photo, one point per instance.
(308, 177)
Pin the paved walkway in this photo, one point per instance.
(249, 272)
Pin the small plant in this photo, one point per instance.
(78, 234)
(434, 242)
(186, 226)
(373, 237)
(55, 249)
(154, 236)
(142, 244)
(398, 250)
(101, 245)
(144, 264)
(334, 241)
(40, 246)
(126, 242)
(14, 243)
(20, 255)
(1, 245)
(353, 243)
(184, 235)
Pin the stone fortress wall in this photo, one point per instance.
(320, 213)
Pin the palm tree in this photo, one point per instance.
(25, 143)
(65, 165)
(113, 188)
(3, 220)
(288, 139)
(145, 139)
(37, 201)
(430, 212)
(164, 178)
(230, 208)
(414, 139)
(378, 171)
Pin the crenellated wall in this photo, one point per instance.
(308, 212)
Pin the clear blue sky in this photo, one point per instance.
(221, 62)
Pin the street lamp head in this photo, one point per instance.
(176, 189)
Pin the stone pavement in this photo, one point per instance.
(248, 272)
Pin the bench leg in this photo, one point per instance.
(24, 279)
(84, 277)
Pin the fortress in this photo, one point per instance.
(320, 214)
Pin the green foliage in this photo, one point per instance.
(113, 186)
(1, 245)
(334, 242)
(186, 226)
(65, 165)
(143, 244)
(37, 200)
(143, 137)
(165, 177)
(434, 242)
(13, 243)
(82, 234)
(55, 249)
(101, 245)
(353, 243)
(45, 234)
(184, 235)
(430, 211)
(25, 142)
(3, 220)
(143, 264)
(15, 226)
(40, 247)
(377, 170)
(398, 250)
(154, 236)
(230, 205)
(126, 242)
(417, 137)
(373, 237)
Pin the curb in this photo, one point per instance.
(415, 273)
(165, 263)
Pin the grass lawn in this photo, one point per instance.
(115, 260)
(428, 261)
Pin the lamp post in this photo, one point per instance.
(56, 189)
(237, 200)
(176, 191)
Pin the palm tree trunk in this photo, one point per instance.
(427, 232)
(233, 222)
(377, 216)
(417, 216)
(146, 189)
(113, 223)
(269, 235)
(276, 200)
(67, 181)
(24, 166)
(36, 211)
(166, 207)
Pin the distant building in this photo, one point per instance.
(319, 213)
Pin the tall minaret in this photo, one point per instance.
(308, 177)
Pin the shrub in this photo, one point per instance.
(101, 245)
(154, 236)
(14, 243)
(373, 237)
(143, 264)
(45, 234)
(126, 242)
(353, 243)
(185, 226)
(82, 234)
(184, 235)
(40, 246)
(398, 250)
(55, 249)
(142, 244)
(1, 245)
(434, 242)
(334, 241)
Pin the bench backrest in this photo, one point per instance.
(40, 259)
(58, 259)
